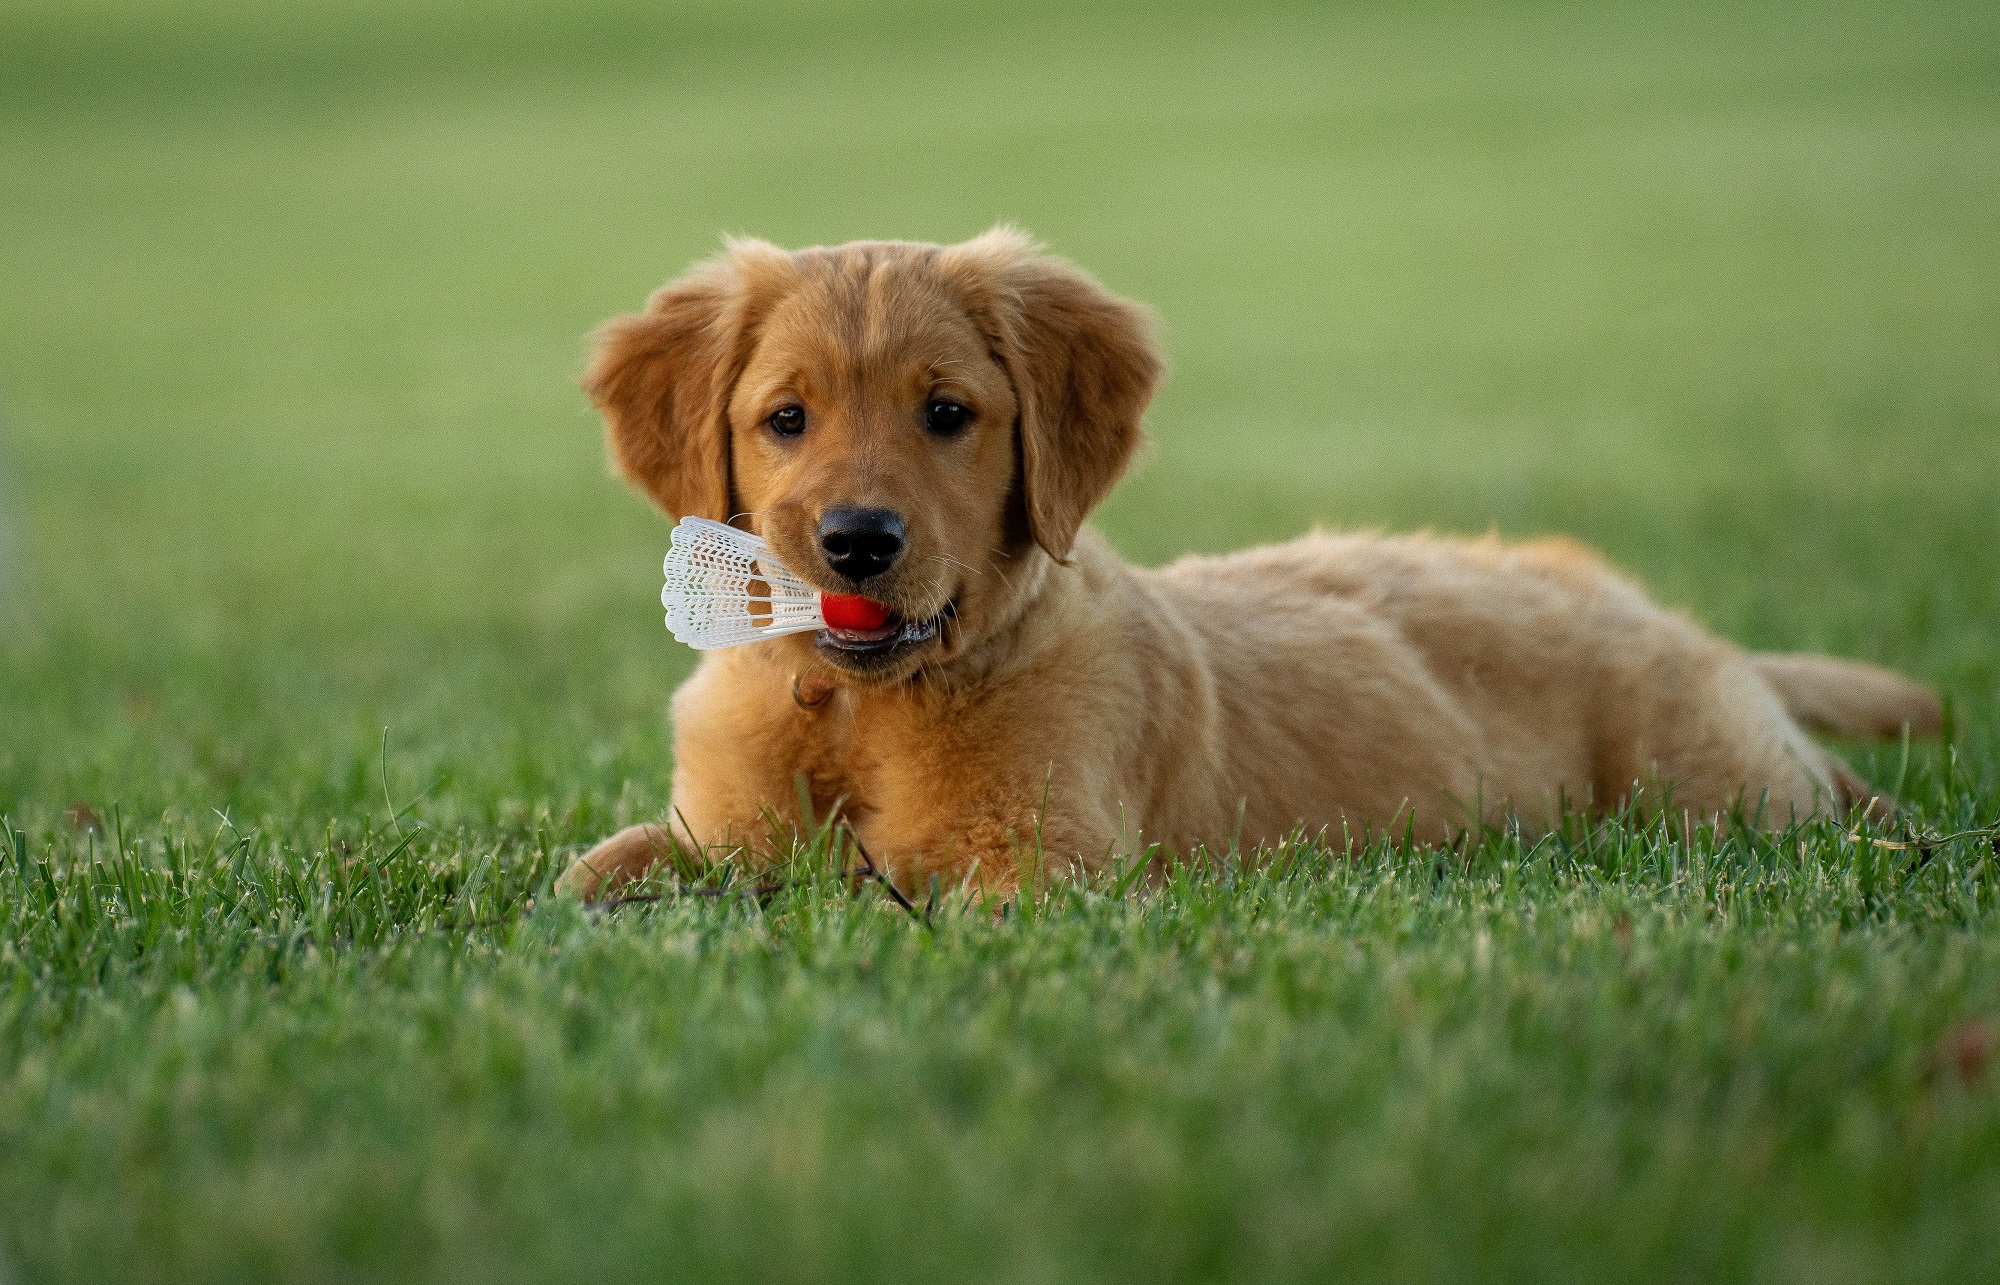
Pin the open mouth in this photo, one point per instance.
(892, 637)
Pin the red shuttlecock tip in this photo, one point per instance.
(852, 611)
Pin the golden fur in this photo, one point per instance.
(1354, 682)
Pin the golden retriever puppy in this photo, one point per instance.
(928, 426)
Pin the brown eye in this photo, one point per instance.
(788, 421)
(946, 418)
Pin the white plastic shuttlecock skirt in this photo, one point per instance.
(725, 588)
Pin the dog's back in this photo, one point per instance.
(1523, 677)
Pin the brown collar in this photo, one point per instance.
(811, 692)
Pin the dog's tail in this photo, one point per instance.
(1847, 698)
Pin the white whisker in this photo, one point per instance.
(954, 562)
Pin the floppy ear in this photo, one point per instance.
(661, 379)
(1083, 367)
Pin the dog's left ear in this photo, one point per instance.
(1083, 366)
(661, 379)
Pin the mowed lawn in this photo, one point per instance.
(326, 639)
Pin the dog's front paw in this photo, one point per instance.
(580, 881)
(618, 860)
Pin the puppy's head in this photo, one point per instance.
(917, 424)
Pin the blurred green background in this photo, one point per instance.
(295, 295)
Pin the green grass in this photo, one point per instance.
(291, 306)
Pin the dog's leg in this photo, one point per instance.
(618, 860)
(997, 838)
(1719, 739)
(740, 742)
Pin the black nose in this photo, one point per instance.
(860, 543)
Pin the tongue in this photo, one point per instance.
(852, 612)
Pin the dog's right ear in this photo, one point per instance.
(662, 377)
(1083, 367)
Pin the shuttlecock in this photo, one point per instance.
(724, 588)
